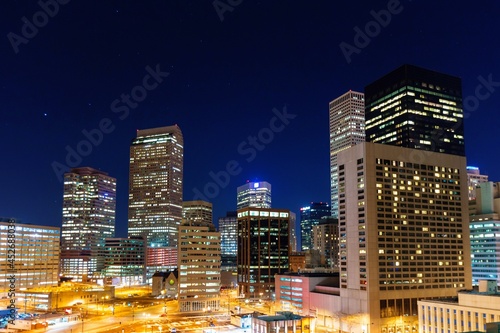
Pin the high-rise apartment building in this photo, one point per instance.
(155, 185)
(347, 128)
(404, 232)
(263, 249)
(325, 239)
(310, 217)
(474, 178)
(485, 233)
(199, 267)
(254, 194)
(228, 227)
(197, 211)
(89, 206)
(30, 253)
(416, 108)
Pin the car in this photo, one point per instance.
(173, 330)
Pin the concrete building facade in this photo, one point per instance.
(199, 267)
(470, 311)
(404, 231)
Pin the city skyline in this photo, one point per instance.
(223, 82)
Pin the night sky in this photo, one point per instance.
(220, 81)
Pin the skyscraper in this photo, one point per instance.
(310, 217)
(254, 194)
(416, 108)
(155, 185)
(263, 249)
(347, 128)
(228, 227)
(404, 232)
(89, 206)
(199, 267)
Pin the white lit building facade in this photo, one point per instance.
(347, 128)
(36, 255)
(89, 207)
(254, 194)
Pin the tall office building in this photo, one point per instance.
(125, 261)
(404, 232)
(155, 185)
(199, 267)
(310, 217)
(228, 227)
(347, 128)
(254, 194)
(263, 249)
(36, 255)
(485, 233)
(474, 178)
(197, 211)
(416, 108)
(325, 239)
(89, 207)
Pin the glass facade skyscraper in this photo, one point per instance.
(416, 108)
(228, 227)
(310, 216)
(263, 249)
(155, 185)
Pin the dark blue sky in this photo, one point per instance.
(225, 78)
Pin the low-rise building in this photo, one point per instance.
(282, 322)
(470, 311)
(165, 283)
